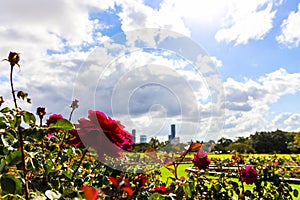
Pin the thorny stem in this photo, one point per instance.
(25, 185)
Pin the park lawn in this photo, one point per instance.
(228, 156)
(166, 174)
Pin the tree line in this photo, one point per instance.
(261, 142)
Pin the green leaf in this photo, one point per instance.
(62, 124)
(14, 158)
(218, 187)
(296, 193)
(10, 184)
(187, 191)
(156, 196)
(28, 118)
(35, 134)
(3, 122)
(28, 100)
(68, 174)
(2, 165)
(15, 122)
(48, 167)
(22, 95)
(248, 193)
(5, 110)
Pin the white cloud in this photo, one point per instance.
(287, 121)
(35, 27)
(246, 20)
(136, 15)
(216, 61)
(290, 34)
(248, 103)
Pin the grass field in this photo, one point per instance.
(224, 156)
(165, 174)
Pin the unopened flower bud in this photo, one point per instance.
(1, 100)
(41, 112)
(75, 104)
(13, 58)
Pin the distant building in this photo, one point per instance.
(134, 135)
(173, 132)
(176, 140)
(143, 138)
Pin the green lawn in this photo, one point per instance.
(165, 173)
(224, 156)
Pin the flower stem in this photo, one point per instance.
(25, 185)
(240, 178)
(12, 87)
(70, 117)
(82, 157)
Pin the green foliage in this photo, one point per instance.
(62, 124)
(271, 142)
(28, 118)
(10, 184)
(222, 144)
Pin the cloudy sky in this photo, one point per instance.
(214, 68)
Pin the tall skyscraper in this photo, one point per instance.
(134, 135)
(143, 138)
(173, 131)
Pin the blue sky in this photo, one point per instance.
(252, 45)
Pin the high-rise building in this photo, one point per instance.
(133, 135)
(143, 138)
(173, 131)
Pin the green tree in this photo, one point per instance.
(271, 142)
(294, 146)
(222, 144)
(241, 145)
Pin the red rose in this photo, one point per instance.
(248, 175)
(52, 119)
(160, 189)
(201, 160)
(141, 180)
(75, 141)
(104, 134)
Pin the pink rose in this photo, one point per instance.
(201, 160)
(248, 175)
